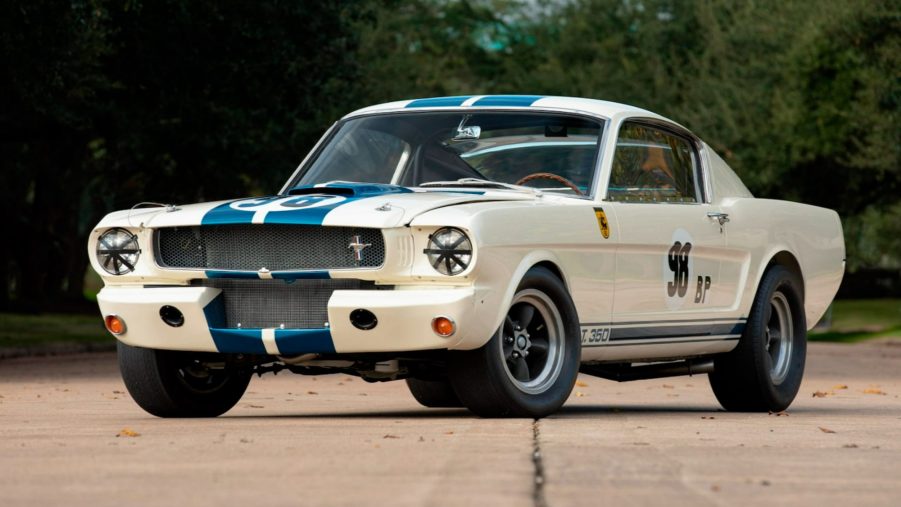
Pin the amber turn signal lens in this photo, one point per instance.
(114, 324)
(443, 326)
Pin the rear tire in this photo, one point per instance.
(764, 372)
(528, 368)
(434, 393)
(169, 383)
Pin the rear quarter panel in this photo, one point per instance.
(761, 228)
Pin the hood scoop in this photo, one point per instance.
(349, 188)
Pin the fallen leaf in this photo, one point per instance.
(873, 390)
(825, 430)
(667, 386)
(820, 394)
(707, 417)
(127, 432)
(780, 414)
(715, 488)
(581, 384)
(421, 439)
(764, 482)
(312, 392)
(391, 436)
(850, 446)
(254, 406)
(840, 386)
(579, 394)
(448, 432)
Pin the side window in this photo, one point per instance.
(651, 165)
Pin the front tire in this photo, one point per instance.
(433, 393)
(528, 368)
(168, 383)
(764, 372)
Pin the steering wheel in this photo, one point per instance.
(550, 176)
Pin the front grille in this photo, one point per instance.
(276, 247)
(301, 304)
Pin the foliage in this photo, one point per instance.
(105, 104)
(853, 320)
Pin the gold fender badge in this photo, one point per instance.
(602, 222)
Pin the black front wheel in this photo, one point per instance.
(764, 372)
(528, 368)
(168, 383)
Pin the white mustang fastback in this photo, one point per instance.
(484, 248)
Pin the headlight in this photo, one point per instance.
(449, 251)
(117, 251)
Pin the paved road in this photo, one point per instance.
(336, 440)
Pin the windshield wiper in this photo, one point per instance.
(477, 182)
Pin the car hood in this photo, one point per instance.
(345, 204)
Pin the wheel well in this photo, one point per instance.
(550, 266)
(788, 261)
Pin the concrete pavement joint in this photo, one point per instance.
(538, 497)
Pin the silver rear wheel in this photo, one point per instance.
(764, 372)
(779, 337)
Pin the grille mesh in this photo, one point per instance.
(302, 304)
(275, 247)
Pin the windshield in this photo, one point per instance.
(413, 149)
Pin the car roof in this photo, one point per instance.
(594, 107)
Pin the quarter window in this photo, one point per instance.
(654, 166)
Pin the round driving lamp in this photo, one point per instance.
(449, 251)
(117, 251)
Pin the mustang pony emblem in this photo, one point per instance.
(358, 247)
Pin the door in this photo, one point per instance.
(672, 245)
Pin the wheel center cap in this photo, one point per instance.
(521, 342)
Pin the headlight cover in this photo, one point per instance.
(118, 251)
(449, 251)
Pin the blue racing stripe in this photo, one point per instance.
(306, 215)
(665, 332)
(221, 273)
(301, 275)
(227, 214)
(304, 206)
(238, 341)
(440, 101)
(214, 312)
(508, 100)
(304, 341)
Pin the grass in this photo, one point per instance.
(855, 320)
(18, 330)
